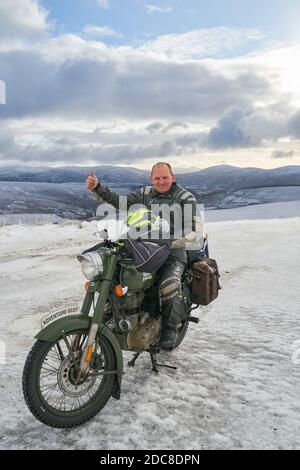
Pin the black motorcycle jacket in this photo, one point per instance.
(183, 203)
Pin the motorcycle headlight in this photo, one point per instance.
(91, 265)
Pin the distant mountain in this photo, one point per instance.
(225, 177)
(230, 177)
(69, 174)
(226, 186)
(62, 191)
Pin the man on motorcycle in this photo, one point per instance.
(164, 191)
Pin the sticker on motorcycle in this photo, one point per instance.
(147, 276)
(47, 320)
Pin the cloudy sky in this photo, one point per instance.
(130, 82)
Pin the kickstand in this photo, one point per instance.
(155, 364)
(132, 362)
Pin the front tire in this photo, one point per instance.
(52, 394)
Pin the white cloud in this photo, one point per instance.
(7, 141)
(154, 9)
(204, 103)
(101, 31)
(103, 3)
(2, 92)
(60, 145)
(294, 125)
(21, 19)
(69, 75)
(201, 43)
(281, 63)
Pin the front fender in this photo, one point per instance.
(80, 322)
(73, 322)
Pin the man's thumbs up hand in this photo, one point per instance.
(91, 181)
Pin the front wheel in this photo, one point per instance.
(50, 386)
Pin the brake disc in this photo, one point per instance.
(66, 379)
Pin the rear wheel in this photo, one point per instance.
(51, 389)
(185, 323)
(182, 332)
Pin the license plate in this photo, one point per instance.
(52, 317)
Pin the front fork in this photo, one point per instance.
(98, 315)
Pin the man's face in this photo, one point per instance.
(162, 179)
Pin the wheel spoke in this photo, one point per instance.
(54, 359)
(48, 387)
(45, 375)
(50, 391)
(49, 368)
(55, 404)
(84, 337)
(59, 352)
(58, 386)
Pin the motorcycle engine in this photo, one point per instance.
(131, 302)
(142, 329)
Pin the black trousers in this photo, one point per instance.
(169, 285)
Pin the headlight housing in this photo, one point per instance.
(91, 265)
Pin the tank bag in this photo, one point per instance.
(147, 256)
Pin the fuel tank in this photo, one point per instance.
(133, 279)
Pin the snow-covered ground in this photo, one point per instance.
(274, 210)
(237, 383)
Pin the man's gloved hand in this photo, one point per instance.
(92, 181)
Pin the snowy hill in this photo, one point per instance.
(225, 186)
(226, 177)
(237, 380)
(74, 174)
(69, 200)
(62, 191)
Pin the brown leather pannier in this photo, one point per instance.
(205, 283)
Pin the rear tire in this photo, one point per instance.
(182, 332)
(65, 393)
(185, 323)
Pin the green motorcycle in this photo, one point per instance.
(76, 364)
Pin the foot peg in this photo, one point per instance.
(194, 319)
